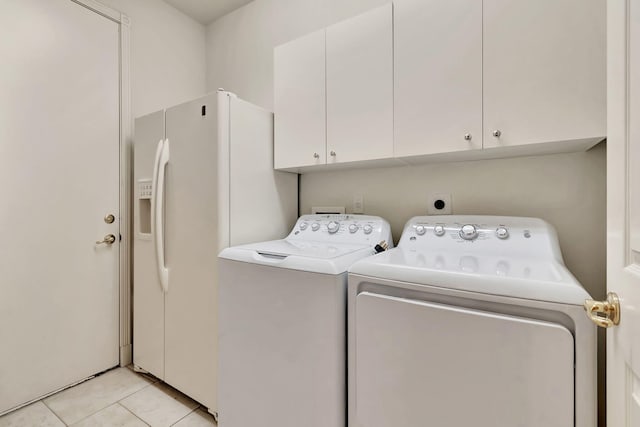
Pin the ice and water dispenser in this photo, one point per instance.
(144, 207)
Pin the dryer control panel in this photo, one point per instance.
(342, 228)
(482, 234)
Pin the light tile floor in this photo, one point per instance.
(119, 397)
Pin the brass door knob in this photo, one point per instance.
(109, 239)
(604, 313)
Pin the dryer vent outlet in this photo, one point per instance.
(439, 204)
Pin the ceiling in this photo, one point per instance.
(206, 11)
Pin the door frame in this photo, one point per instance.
(126, 155)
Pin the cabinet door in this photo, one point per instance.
(544, 71)
(300, 102)
(360, 87)
(437, 76)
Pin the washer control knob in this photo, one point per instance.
(353, 228)
(303, 226)
(502, 233)
(438, 230)
(315, 226)
(333, 227)
(468, 232)
(420, 230)
(367, 229)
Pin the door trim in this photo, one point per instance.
(126, 178)
(126, 174)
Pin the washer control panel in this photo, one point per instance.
(364, 229)
(482, 234)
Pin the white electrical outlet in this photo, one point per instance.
(358, 204)
(439, 204)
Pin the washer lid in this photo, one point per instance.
(305, 255)
(539, 279)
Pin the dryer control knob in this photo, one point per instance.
(353, 228)
(438, 230)
(367, 229)
(468, 232)
(333, 227)
(420, 230)
(502, 233)
(303, 226)
(315, 226)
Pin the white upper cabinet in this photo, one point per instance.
(544, 71)
(437, 76)
(446, 80)
(360, 87)
(300, 102)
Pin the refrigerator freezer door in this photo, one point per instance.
(148, 296)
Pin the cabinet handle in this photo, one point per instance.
(332, 153)
(467, 137)
(316, 155)
(497, 133)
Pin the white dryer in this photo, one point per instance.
(282, 323)
(470, 321)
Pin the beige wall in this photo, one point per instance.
(168, 61)
(568, 190)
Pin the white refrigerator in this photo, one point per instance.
(204, 180)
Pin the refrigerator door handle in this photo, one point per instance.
(157, 214)
(154, 186)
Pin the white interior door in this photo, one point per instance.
(623, 210)
(59, 178)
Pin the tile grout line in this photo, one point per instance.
(53, 412)
(191, 412)
(139, 390)
(132, 413)
(158, 385)
(103, 408)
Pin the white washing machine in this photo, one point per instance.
(282, 323)
(470, 321)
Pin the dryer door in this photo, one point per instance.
(419, 363)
